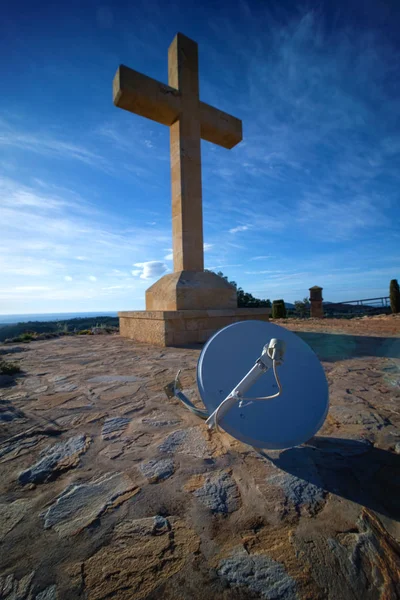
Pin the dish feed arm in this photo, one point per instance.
(272, 355)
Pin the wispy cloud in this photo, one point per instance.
(48, 146)
(239, 228)
(58, 242)
(149, 269)
(319, 150)
(265, 257)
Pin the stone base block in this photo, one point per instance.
(181, 327)
(184, 289)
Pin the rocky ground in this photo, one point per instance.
(379, 325)
(109, 490)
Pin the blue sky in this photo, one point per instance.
(310, 197)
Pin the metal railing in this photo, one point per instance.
(356, 307)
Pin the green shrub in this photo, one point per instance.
(85, 332)
(302, 308)
(278, 309)
(8, 368)
(394, 293)
(26, 337)
(244, 299)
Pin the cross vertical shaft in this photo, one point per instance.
(185, 136)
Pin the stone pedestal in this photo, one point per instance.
(316, 309)
(181, 327)
(187, 290)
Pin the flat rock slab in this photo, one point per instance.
(189, 441)
(161, 422)
(219, 493)
(9, 413)
(303, 494)
(120, 392)
(11, 514)
(352, 564)
(114, 427)
(158, 469)
(68, 400)
(113, 379)
(80, 504)
(50, 593)
(145, 553)
(12, 588)
(22, 443)
(55, 459)
(65, 387)
(258, 574)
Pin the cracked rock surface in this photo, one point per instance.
(110, 490)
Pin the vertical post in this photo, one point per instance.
(316, 299)
(185, 136)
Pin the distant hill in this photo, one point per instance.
(67, 326)
(333, 308)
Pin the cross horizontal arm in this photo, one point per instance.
(145, 96)
(149, 98)
(218, 127)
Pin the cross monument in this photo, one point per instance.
(190, 120)
(189, 287)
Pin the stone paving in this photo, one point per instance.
(109, 490)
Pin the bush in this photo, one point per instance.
(245, 299)
(24, 337)
(302, 308)
(278, 309)
(85, 332)
(8, 368)
(394, 293)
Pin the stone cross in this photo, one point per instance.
(190, 120)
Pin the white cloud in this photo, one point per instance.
(30, 288)
(261, 272)
(49, 146)
(68, 278)
(239, 228)
(150, 269)
(92, 278)
(170, 255)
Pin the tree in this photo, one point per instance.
(245, 299)
(278, 309)
(302, 307)
(394, 293)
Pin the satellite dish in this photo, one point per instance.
(260, 383)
